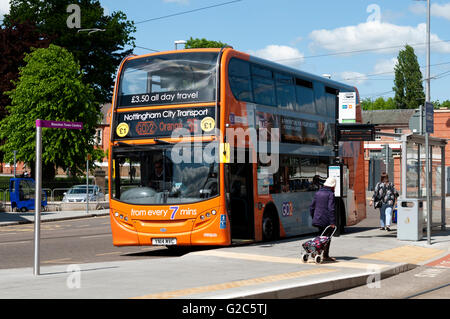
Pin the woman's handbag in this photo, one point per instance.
(377, 204)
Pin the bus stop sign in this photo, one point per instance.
(60, 124)
(37, 207)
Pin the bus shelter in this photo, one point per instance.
(413, 175)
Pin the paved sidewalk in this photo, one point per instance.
(261, 270)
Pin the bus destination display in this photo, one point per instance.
(161, 123)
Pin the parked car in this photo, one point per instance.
(77, 194)
(22, 194)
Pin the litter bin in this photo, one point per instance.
(409, 219)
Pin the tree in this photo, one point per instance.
(16, 40)
(203, 43)
(408, 88)
(379, 104)
(437, 104)
(99, 53)
(51, 87)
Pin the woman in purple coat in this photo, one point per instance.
(322, 210)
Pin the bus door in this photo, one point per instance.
(241, 199)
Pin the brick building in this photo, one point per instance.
(397, 121)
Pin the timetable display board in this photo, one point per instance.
(356, 132)
(336, 172)
(347, 107)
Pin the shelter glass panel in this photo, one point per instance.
(412, 170)
(436, 181)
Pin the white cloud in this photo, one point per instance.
(382, 67)
(280, 53)
(4, 8)
(375, 35)
(353, 77)
(442, 11)
(385, 66)
(437, 10)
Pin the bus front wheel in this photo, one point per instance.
(269, 226)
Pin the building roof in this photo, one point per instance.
(388, 117)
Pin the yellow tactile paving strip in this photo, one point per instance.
(236, 284)
(405, 254)
(287, 260)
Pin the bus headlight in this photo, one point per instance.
(206, 218)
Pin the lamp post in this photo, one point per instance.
(179, 42)
(427, 146)
(87, 183)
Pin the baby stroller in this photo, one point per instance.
(316, 246)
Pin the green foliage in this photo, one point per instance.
(99, 53)
(378, 104)
(408, 86)
(203, 43)
(16, 40)
(51, 87)
(437, 104)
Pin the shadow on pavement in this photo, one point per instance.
(169, 251)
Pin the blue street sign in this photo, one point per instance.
(429, 117)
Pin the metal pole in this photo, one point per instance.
(87, 185)
(442, 188)
(428, 185)
(428, 54)
(427, 99)
(37, 200)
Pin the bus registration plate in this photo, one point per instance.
(164, 241)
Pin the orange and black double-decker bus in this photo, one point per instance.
(213, 146)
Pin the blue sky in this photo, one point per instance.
(313, 36)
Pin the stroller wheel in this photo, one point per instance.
(305, 258)
(318, 259)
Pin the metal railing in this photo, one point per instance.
(54, 195)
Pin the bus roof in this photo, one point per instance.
(302, 74)
(280, 67)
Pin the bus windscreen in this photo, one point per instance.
(163, 175)
(168, 79)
